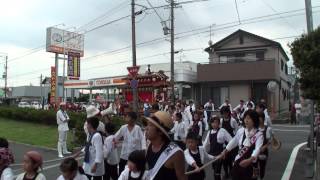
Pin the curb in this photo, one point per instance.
(42, 147)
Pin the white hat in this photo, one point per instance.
(92, 111)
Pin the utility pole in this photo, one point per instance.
(6, 79)
(172, 51)
(134, 54)
(41, 92)
(313, 155)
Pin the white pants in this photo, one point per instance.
(62, 136)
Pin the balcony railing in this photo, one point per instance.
(238, 60)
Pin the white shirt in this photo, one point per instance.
(179, 130)
(225, 104)
(239, 107)
(267, 121)
(101, 128)
(134, 140)
(185, 118)
(237, 141)
(78, 177)
(96, 156)
(62, 120)
(207, 105)
(110, 152)
(268, 133)
(7, 174)
(40, 176)
(297, 106)
(204, 156)
(233, 124)
(253, 106)
(222, 137)
(125, 174)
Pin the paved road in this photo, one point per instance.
(290, 136)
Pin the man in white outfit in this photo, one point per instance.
(62, 121)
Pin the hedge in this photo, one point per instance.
(48, 117)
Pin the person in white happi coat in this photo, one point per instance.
(93, 164)
(250, 102)
(209, 108)
(226, 103)
(186, 115)
(231, 126)
(62, 121)
(180, 131)
(249, 140)
(214, 144)
(264, 152)
(133, 139)
(92, 111)
(261, 108)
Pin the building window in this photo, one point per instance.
(260, 55)
(239, 57)
(282, 65)
(286, 69)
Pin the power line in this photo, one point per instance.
(157, 39)
(235, 2)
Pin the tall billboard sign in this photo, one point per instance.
(53, 82)
(74, 65)
(61, 41)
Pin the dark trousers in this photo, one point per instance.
(94, 177)
(240, 173)
(122, 164)
(228, 162)
(111, 171)
(196, 176)
(262, 166)
(217, 166)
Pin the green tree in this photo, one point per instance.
(306, 57)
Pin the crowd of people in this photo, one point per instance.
(175, 141)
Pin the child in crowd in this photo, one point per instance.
(180, 131)
(264, 152)
(195, 156)
(71, 170)
(196, 125)
(111, 158)
(93, 164)
(133, 139)
(214, 142)
(135, 169)
(6, 158)
(32, 162)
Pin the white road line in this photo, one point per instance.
(287, 173)
(291, 130)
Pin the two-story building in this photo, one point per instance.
(240, 67)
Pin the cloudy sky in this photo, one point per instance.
(107, 50)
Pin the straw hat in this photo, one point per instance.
(92, 111)
(162, 120)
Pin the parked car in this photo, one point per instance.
(35, 105)
(23, 105)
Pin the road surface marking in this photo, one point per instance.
(291, 130)
(287, 173)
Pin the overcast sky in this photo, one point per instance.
(23, 31)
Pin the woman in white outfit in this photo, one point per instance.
(62, 121)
